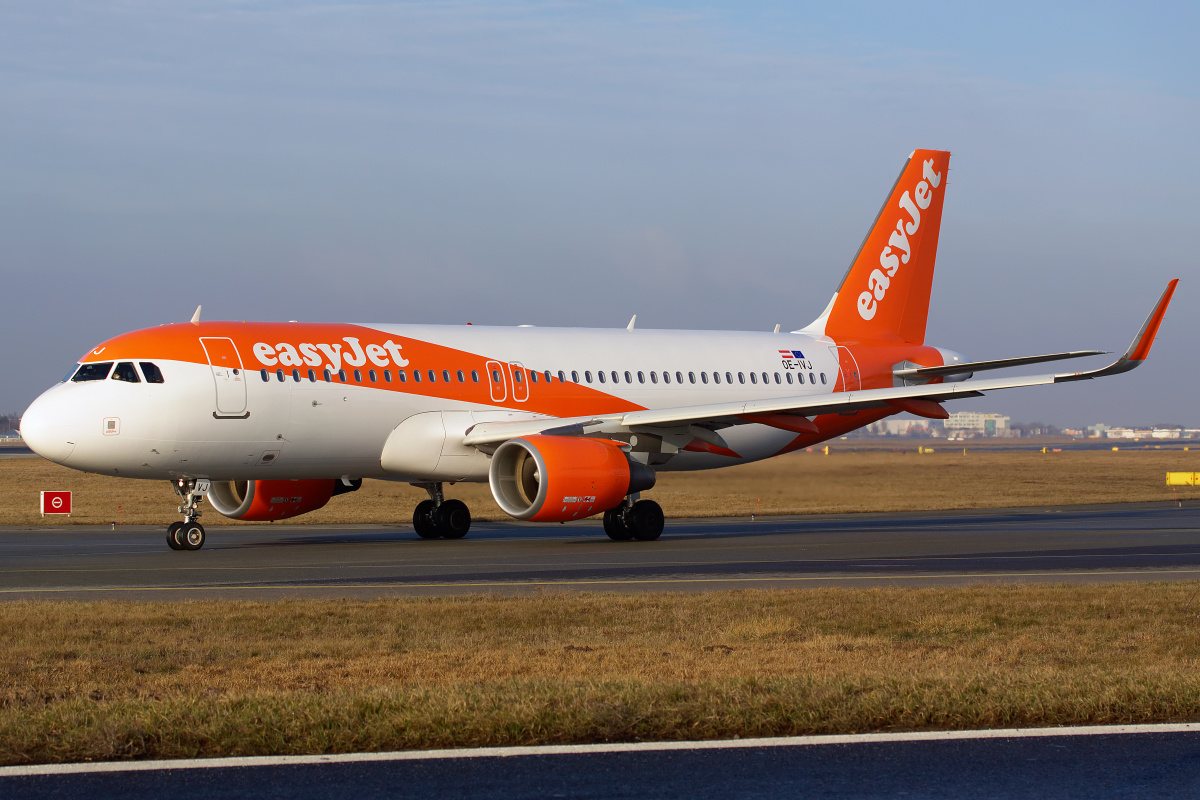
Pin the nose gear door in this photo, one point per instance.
(228, 375)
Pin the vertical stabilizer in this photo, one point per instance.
(885, 293)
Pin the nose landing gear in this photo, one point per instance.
(438, 517)
(634, 519)
(189, 534)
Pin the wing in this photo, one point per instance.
(792, 413)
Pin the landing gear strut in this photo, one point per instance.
(438, 517)
(634, 519)
(189, 534)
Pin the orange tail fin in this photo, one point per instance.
(885, 293)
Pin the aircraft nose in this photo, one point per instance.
(47, 428)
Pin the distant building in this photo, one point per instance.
(975, 423)
(900, 427)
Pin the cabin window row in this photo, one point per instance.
(373, 376)
(446, 376)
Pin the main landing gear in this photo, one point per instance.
(634, 519)
(439, 518)
(189, 534)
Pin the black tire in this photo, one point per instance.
(423, 522)
(646, 520)
(615, 527)
(453, 519)
(192, 536)
(172, 532)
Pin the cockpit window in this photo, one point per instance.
(71, 372)
(126, 372)
(92, 372)
(151, 371)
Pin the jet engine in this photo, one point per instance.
(259, 501)
(558, 478)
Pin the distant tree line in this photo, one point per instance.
(9, 422)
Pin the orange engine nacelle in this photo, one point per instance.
(557, 478)
(260, 501)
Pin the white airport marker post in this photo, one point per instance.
(56, 503)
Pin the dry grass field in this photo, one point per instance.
(137, 680)
(800, 483)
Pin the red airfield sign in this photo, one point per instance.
(56, 503)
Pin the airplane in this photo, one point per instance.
(271, 420)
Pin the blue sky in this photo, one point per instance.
(701, 165)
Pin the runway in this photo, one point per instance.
(1078, 544)
(1117, 762)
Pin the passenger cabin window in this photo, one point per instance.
(549, 377)
(728, 378)
(328, 376)
(575, 376)
(704, 377)
(461, 378)
(753, 377)
(519, 375)
(474, 376)
(387, 376)
(653, 376)
(679, 377)
(296, 375)
(822, 378)
(741, 378)
(126, 372)
(265, 377)
(151, 371)
(371, 374)
(799, 375)
(562, 376)
(342, 375)
(716, 377)
(767, 378)
(600, 375)
(279, 375)
(402, 376)
(432, 376)
(666, 376)
(691, 377)
(312, 376)
(92, 372)
(358, 376)
(417, 375)
(446, 375)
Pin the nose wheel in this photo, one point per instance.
(438, 518)
(188, 534)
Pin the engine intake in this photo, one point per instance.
(559, 478)
(260, 501)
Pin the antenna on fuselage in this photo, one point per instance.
(632, 322)
(778, 325)
(195, 320)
